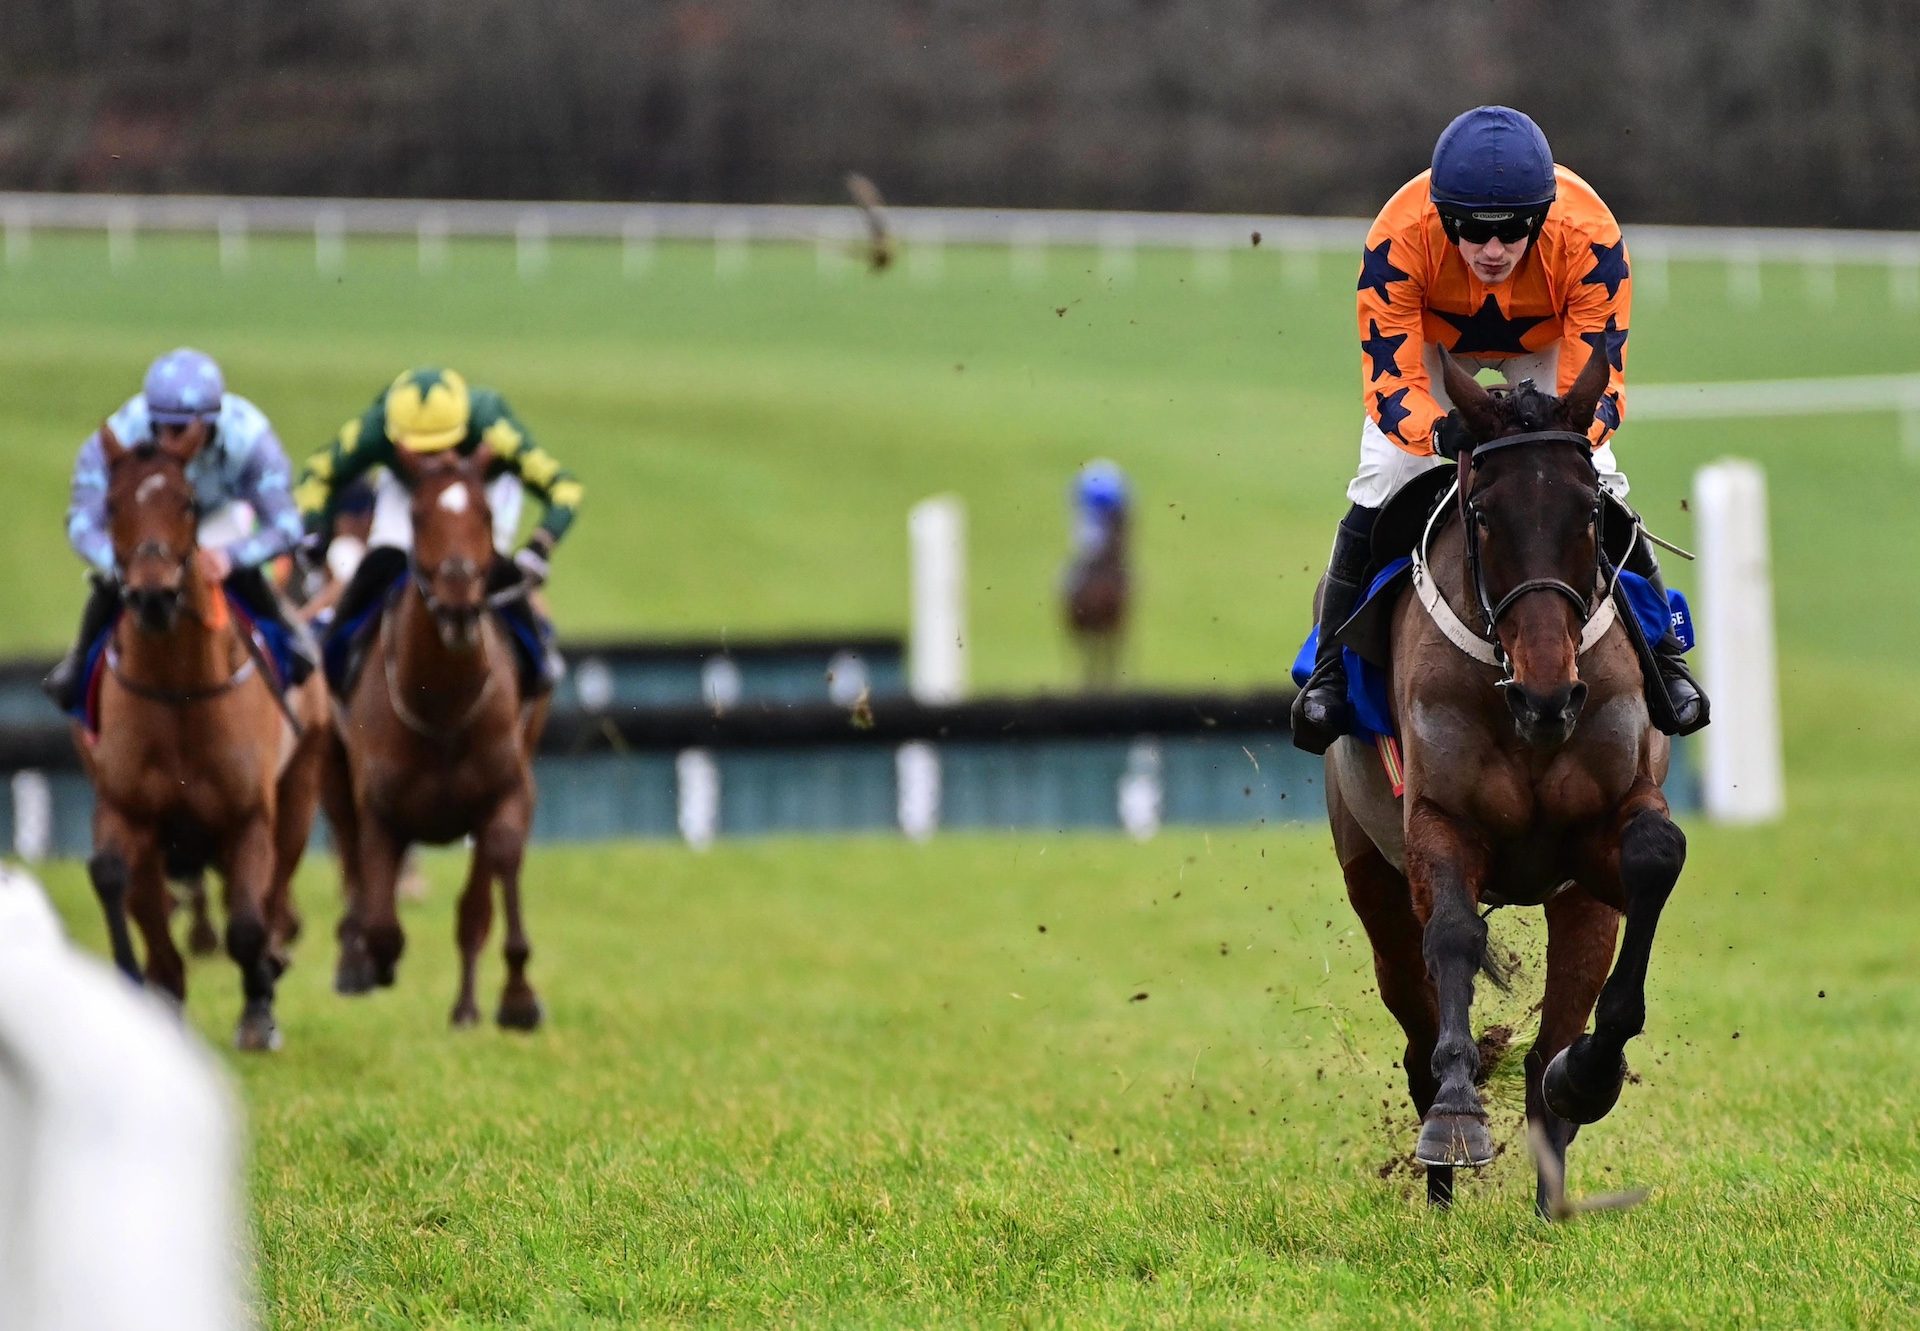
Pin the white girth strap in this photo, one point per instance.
(1465, 638)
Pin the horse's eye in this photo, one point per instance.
(1480, 521)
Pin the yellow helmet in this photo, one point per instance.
(428, 410)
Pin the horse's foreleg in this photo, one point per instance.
(353, 974)
(116, 849)
(1580, 936)
(1384, 903)
(381, 852)
(474, 918)
(299, 795)
(249, 875)
(506, 843)
(1446, 864)
(1583, 1081)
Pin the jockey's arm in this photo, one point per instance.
(266, 482)
(557, 488)
(1394, 387)
(87, 509)
(361, 445)
(1597, 313)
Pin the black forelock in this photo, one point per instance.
(1532, 409)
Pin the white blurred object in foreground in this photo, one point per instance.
(118, 1146)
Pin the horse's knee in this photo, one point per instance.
(107, 870)
(502, 845)
(518, 955)
(1453, 934)
(1653, 850)
(246, 938)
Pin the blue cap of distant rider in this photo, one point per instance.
(183, 386)
(1101, 486)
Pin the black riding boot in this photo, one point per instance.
(257, 594)
(1321, 713)
(377, 572)
(1687, 704)
(62, 683)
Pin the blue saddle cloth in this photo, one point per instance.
(1367, 693)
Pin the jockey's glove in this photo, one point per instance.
(531, 560)
(1450, 435)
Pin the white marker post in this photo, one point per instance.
(936, 529)
(1744, 780)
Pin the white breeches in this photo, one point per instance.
(1385, 467)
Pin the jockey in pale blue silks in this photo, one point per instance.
(242, 488)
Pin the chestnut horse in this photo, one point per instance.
(1098, 593)
(196, 762)
(438, 745)
(1532, 778)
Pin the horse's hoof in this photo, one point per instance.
(353, 977)
(1574, 1101)
(520, 1014)
(1454, 1139)
(465, 1016)
(383, 976)
(257, 1033)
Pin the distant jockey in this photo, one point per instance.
(1099, 509)
(242, 491)
(431, 411)
(1512, 263)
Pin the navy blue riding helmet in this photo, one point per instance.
(1492, 176)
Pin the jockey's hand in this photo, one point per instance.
(531, 560)
(1450, 435)
(214, 565)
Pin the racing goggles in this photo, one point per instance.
(1481, 225)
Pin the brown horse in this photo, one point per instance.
(438, 745)
(196, 762)
(1532, 777)
(1098, 593)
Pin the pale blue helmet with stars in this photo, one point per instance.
(183, 386)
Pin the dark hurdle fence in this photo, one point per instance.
(677, 747)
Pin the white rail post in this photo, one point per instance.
(32, 815)
(1744, 781)
(19, 236)
(121, 227)
(936, 530)
(118, 1146)
(232, 229)
(329, 242)
(430, 240)
(637, 237)
(530, 244)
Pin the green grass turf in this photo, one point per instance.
(790, 1081)
(868, 1083)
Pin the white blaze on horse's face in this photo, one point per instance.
(149, 487)
(455, 499)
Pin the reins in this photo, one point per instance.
(1596, 616)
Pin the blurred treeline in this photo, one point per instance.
(1737, 111)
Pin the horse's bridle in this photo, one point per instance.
(1596, 615)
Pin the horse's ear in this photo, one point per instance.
(481, 461)
(1476, 404)
(110, 445)
(188, 443)
(1578, 406)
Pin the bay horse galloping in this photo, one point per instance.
(1532, 777)
(1097, 590)
(438, 744)
(196, 761)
